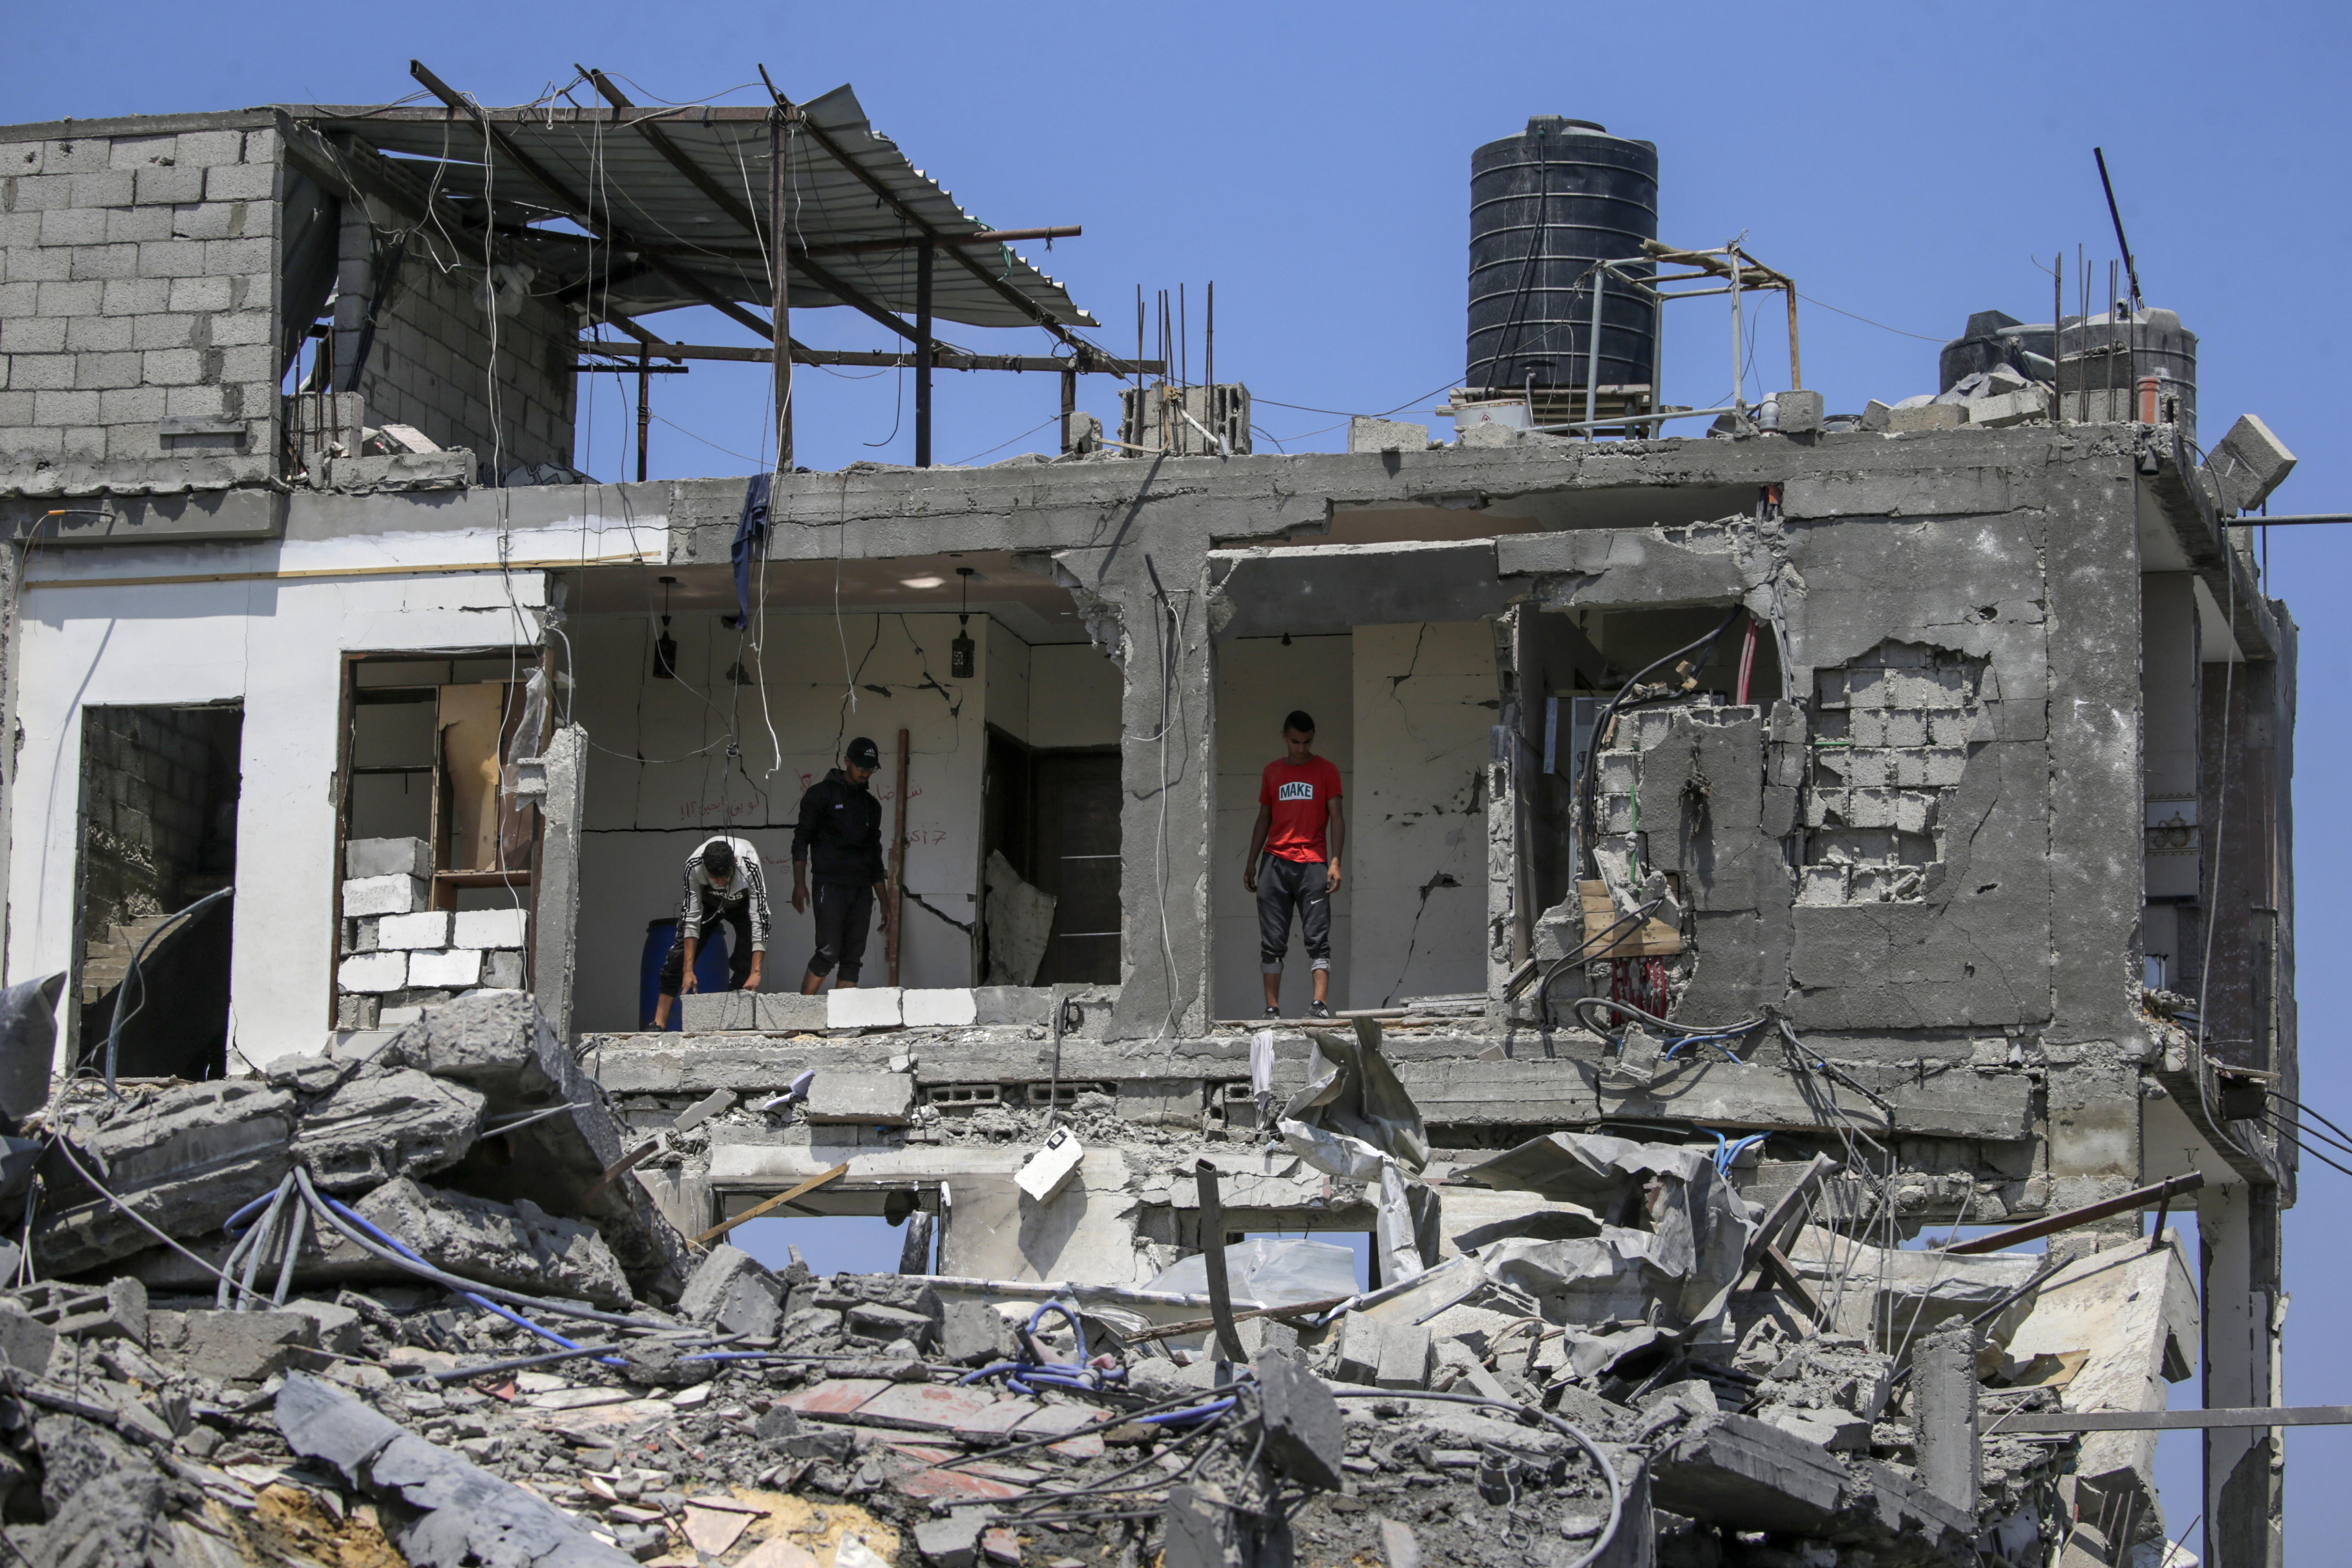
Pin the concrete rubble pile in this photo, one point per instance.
(1637, 1366)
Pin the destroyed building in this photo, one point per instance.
(1768, 846)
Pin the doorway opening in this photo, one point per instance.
(1052, 814)
(158, 801)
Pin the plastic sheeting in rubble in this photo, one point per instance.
(1267, 1272)
(1355, 1121)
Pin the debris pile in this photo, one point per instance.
(365, 1343)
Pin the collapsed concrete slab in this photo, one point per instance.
(497, 1043)
(374, 1128)
(445, 1512)
(184, 1159)
(518, 1245)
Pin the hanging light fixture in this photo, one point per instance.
(960, 651)
(665, 646)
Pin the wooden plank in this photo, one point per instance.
(779, 1201)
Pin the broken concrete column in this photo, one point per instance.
(374, 1128)
(520, 1247)
(1944, 1414)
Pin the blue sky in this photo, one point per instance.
(1908, 164)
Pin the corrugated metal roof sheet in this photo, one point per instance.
(609, 169)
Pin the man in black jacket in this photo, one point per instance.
(841, 829)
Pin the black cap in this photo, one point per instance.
(864, 754)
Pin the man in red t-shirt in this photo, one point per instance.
(1294, 860)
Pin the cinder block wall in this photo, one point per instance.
(139, 280)
(430, 361)
(152, 799)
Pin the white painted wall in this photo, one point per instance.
(275, 644)
(1425, 698)
(643, 819)
(1074, 695)
(1259, 681)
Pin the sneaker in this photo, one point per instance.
(1320, 1009)
(1274, 1012)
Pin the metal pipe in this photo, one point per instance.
(1796, 374)
(2285, 517)
(923, 351)
(2162, 1192)
(1646, 419)
(645, 410)
(1738, 342)
(896, 895)
(780, 295)
(1600, 275)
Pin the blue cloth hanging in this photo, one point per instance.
(751, 538)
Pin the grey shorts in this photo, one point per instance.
(1283, 885)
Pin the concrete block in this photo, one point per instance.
(862, 1007)
(2009, 408)
(881, 1322)
(861, 1099)
(1800, 411)
(33, 335)
(118, 259)
(1012, 1004)
(356, 1012)
(458, 969)
(789, 1012)
(703, 1110)
(1301, 1422)
(239, 182)
(735, 1293)
(1407, 1356)
(518, 1245)
(714, 1012)
(372, 1128)
(953, 1008)
(490, 928)
(206, 147)
(171, 258)
(1358, 1356)
(425, 928)
(1199, 1530)
(970, 1333)
(1927, 417)
(1366, 434)
(502, 970)
(952, 1542)
(202, 296)
(373, 973)
(1840, 1431)
(73, 226)
(1049, 1170)
(365, 857)
(383, 895)
(338, 1327)
(166, 186)
(25, 1341)
(132, 296)
(245, 1347)
(2249, 462)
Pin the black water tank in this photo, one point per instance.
(1544, 206)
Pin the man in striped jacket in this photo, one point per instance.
(722, 883)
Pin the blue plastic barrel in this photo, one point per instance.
(709, 968)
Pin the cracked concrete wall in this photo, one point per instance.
(1425, 698)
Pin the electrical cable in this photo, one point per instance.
(1565, 1428)
(1704, 647)
(1600, 938)
(422, 1271)
(65, 1149)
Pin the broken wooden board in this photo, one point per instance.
(1652, 938)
